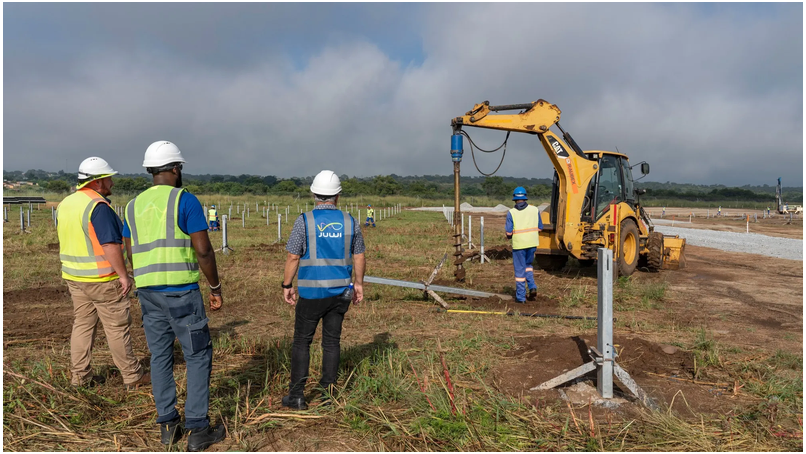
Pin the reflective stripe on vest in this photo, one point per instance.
(326, 268)
(211, 214)
(82, 258)
(525, 224)
(162, 254)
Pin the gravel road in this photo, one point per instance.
(750, 243)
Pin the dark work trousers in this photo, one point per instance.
(308, 313)
(166, 317)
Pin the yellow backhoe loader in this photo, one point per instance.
(594, 202)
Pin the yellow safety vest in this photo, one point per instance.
(525, 224)
(212, 215)
(80, 252)
(370, 213)
(162, 253)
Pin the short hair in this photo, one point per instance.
(165, 168)
(325, 198)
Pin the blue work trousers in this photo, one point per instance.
(171, 315)
(370, 219)
(524, 272)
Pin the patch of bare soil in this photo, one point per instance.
(499, 252)
(664, 372)
(37, 314)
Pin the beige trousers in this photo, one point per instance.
(101, 300)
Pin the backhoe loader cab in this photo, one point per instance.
(594, 201)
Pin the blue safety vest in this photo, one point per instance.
(326, 269)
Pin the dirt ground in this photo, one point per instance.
(749, 302)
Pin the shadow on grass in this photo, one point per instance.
(266, 373)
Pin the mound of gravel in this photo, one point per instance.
(501, 208)
(749, 243)
(465, 206)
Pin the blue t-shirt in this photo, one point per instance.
(191, 220)
(107, 224)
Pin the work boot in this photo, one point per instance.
(201, 439)
(171, 432)
(296, 403)
(532, 295)
(144, 380)
(95, 380)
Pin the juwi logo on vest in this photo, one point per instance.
(332, 230)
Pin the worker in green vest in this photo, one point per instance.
(212, 217)
(522, 227)
(165, 232)
(91, 252)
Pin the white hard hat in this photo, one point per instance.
(326, 182)
(161, 153)
(92, 169)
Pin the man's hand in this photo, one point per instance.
(216, 301)
(290, 296)
(125, 284)
(358, 293)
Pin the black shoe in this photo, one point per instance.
(171, 432)
(532, 295)
(201, 439)
(95, 380)
(297, 403)
(520, 302)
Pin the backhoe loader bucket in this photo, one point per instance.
(674, 252)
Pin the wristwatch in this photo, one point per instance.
(287, 286)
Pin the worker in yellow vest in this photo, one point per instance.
(522, 227)
(165, 232)
(212, 217)
(370, 216)
(91, 252)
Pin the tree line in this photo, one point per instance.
(426, 186)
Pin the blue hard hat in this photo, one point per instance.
(519, 193)
(368, 205)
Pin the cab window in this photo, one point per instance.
(610, 188)
(629, 187)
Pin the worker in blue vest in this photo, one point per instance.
(326, 246)
(523, 225)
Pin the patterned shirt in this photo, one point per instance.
(298, 240)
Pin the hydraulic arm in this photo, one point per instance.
(574, 169)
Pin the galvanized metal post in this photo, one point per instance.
(481, 240)
(29, 218)
(604, 332)
(225, 245)
(243, 221)
(22, 220)
(5, 213)
(267, 216)
(463, 228)
(469, 231)
(279, 224)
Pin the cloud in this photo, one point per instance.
(706, 95)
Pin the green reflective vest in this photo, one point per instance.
(525, 224)
(162, 253)
(80, 252)
(212, 215)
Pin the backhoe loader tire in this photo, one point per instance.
(628, 250)
(655, 255)
(551, 262)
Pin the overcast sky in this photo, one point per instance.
(706, 93)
